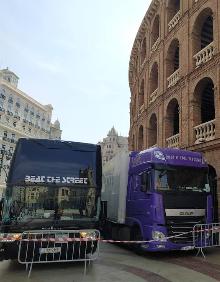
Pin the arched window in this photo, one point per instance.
(140, 138)
(152, 131)
(154, 78)
(173, 63)
(155, 32)
(141, 94)
(172, 9)
(204, 110)
(172, 118)
(133, 143)
(207, 32)
(204, 97)
(203, 37)
(143, 50)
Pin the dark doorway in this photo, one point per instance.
(213, 185)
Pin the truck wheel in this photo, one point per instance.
(137, 236)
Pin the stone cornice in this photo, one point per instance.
(197, 6)
(141, 32)
(206, 146)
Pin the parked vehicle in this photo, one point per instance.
(156, 195)
(52, 185)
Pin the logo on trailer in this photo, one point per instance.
(55, 179)
(159, 155)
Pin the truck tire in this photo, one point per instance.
(137, 236)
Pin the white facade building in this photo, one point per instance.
(20, 116)
(112, 144)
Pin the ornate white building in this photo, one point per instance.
(20, 116)
(112, 144)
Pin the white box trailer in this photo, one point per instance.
(114, 190)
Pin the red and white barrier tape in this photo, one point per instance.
(12, 237)
(67, 239)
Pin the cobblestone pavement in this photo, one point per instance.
(121, 264)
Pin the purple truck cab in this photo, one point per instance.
(166, 193)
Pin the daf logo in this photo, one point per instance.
(186, 213)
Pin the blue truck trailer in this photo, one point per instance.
(52, 185)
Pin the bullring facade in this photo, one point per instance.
(174, 77)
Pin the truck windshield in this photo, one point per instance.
(46, 203)
(182, 178)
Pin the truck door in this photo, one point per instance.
(138, 202)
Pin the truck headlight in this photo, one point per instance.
(10, 237)
(158, 236)
(89, 235)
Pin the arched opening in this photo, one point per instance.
(141, 94)
(133, 143)
(155, 30)
(153, 78)
(204, 110)
(205, 101)
(172, 118)
(213, 186)
(173, 62)
(152, 131)
(136, 66)
(140, 138)
(133, 107)
(203, 30)
(143, 50)
(207, 32)
(172, 9)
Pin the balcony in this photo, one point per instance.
(205, 132)
(155, 45)
(173, 141)
(173, 79)
(141, 109)
(16, 117)
(5, 138)
(205, 54)
(143, 64)
(9, 113)
(153, 96)
(174, 21)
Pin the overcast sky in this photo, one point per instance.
(74, 54)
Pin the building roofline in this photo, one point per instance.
(9, 71)
(24, 95)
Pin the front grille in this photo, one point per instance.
(182, 225)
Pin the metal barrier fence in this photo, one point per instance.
(48, 246)
(206, 236)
